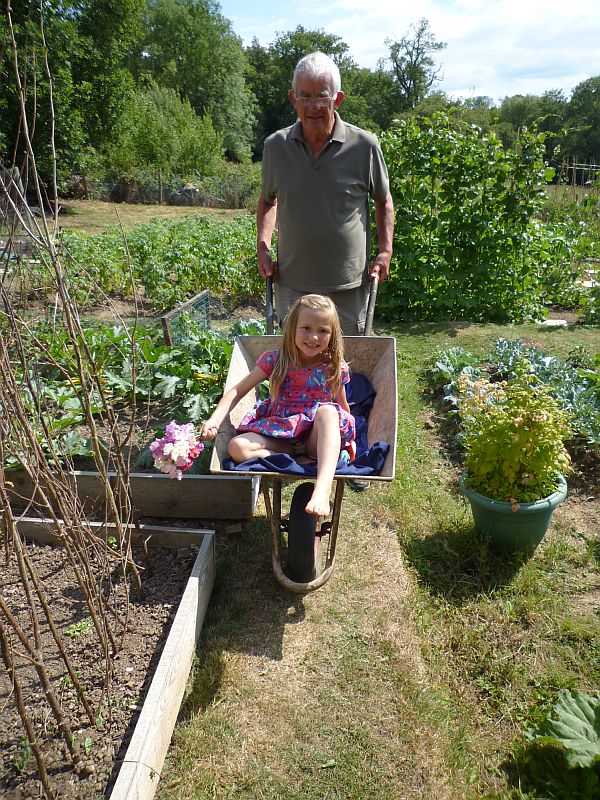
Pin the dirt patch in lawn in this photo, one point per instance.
(102, 745)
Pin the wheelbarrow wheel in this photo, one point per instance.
(304, 546)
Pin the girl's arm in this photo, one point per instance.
(341, 400)
(229, 401)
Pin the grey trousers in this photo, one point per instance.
(351, 305)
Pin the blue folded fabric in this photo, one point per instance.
(369, 460)
(361, 396)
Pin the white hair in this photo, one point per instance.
(318, 65)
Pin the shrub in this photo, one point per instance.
(514, 438)
(463, 237)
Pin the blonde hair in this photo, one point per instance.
(289, 355)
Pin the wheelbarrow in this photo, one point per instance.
(309, 545)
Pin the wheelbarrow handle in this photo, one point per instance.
(270, 313)
(374, 285)
(371, 305)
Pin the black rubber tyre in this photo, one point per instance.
(304, 547)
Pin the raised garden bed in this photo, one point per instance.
(156, 495)
(124, 751)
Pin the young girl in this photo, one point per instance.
(307, 411)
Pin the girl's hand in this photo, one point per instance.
(209, 429)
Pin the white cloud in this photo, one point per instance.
(494, 47)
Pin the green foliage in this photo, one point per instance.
(583, 134)
(85, 44)
(188, 46)
(545, 113)
(159, 130)
(574, 726)
(480, 390)
(574, 384)
(249, 327)
(463, 236)
(576, 390)
(23, 757)
(513, 436)
(450, 364)
(371, 99)
(184, 381)
(568, 236)
(81, 628)
(172, 260)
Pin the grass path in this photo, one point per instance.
(313, 697)
(415, 672)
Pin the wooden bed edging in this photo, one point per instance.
(140, 772)
(41, 530)
(156, 495)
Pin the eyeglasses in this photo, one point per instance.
(323, 100)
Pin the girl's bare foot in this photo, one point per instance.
(318, 505)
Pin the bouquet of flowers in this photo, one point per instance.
(174, 453)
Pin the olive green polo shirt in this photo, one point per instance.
(323, 215)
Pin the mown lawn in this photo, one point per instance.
(415, 672)
(93, 216)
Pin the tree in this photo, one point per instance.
(76, 50)
(545, 113)
(107, 31)
(371, 101)
(190, 47)
(161, 131)
(413, 68)
(582, 139)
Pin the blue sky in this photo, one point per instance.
(496, 48)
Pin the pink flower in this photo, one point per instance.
(174, 453)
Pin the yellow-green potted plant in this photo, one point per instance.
(514, 437)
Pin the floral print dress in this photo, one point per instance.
(292, 413)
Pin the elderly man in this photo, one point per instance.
(317, 177)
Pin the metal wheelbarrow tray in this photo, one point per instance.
(309, 563)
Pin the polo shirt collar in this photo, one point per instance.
(339, 131)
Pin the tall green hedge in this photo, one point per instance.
(464, 241)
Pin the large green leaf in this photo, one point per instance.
(197, 407)
(573, 724)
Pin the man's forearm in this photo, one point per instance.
(384, 221)
(266, 217)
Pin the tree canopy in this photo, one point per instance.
(175, 72)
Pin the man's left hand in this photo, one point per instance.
(380, 266)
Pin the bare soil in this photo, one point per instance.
(102, 745)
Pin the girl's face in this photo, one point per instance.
(313, 332)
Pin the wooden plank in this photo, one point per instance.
(195, 496)
(156, 495)
(90, 488)
(43, 530)
(146, 753)
(135, 782)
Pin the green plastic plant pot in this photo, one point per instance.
(515, 531)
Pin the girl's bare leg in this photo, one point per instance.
(325, 442)
(252, 445)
